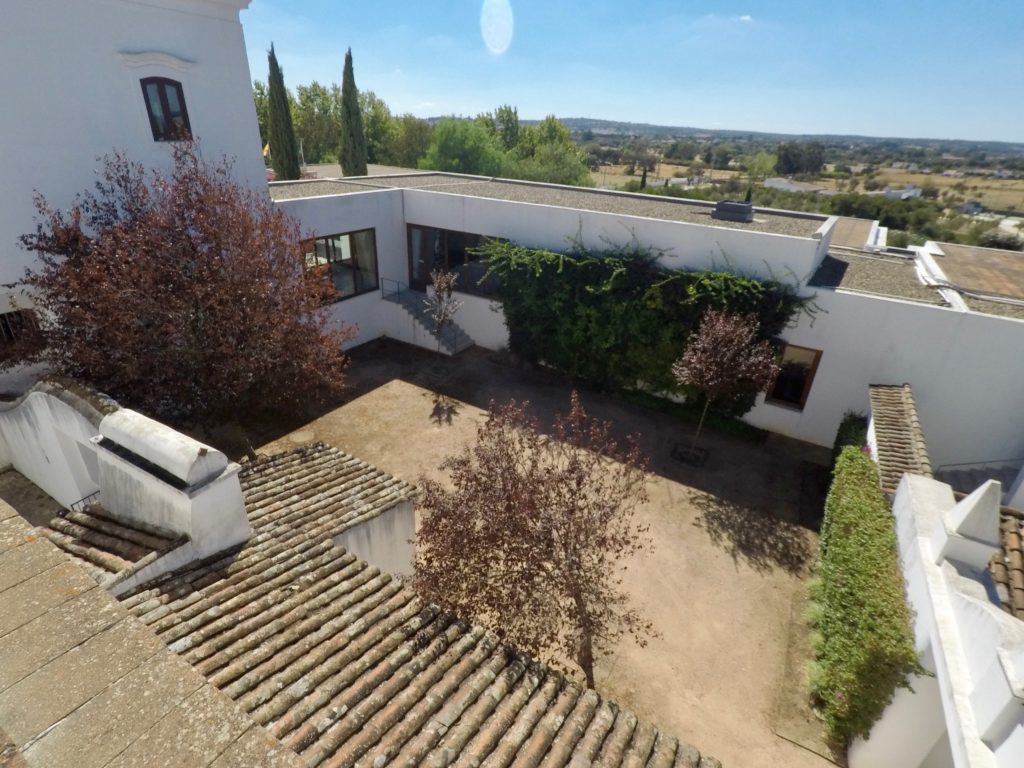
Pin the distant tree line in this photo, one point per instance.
(497, 144)
(319, 114)
(909, 221)
(330, 121)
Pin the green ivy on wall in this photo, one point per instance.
(864, 637)
(613, 319)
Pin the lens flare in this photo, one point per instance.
(497, 25)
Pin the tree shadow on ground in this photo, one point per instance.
(444, 410)
(756, 537)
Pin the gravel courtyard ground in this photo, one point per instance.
(725, 585)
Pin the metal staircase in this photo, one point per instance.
(453, 339)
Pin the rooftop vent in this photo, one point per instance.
(733, 210)
(149, 473)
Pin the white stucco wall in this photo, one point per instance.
(966, 370)
(965, 367)
(384, 541)
(72, 93)
(212, 514)
(48, 441)
(483, 320)
(691, 246)
(973, 648)
(380, 210)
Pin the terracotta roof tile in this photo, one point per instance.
(1007, 564)
(898, 437)
(348, 667)
(108, 548)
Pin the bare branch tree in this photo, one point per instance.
(724, 358)
(442, 303)
(533, 533)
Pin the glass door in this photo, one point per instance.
(426, 250)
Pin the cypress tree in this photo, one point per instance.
(284, 156)
(352, 152)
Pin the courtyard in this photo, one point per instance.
(725, 581)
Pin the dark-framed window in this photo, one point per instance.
(165, 103)
(12, 324)
(434, 248)
(347, 263)
(798, 366)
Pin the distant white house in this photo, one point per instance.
(89, 77)
(908, 192)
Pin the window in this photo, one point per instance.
(347, 263)
(165, 104)
(432, 248)
(794, 383)
(12, 324)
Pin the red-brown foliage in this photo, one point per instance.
(533, 533)
(179, 292)
(724, 358)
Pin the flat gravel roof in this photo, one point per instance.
(794, 224)
(879, 275)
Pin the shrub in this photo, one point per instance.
(898, 238)
(997, 238)
(611, 320)
(853, 431)
(212, 318)
(865, 644)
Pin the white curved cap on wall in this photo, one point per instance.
(186, 459)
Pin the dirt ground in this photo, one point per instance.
(725, 584)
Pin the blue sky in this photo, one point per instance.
(906, 68)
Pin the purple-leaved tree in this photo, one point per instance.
(724, 358)
(532, 533)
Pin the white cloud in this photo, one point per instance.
(745, 18)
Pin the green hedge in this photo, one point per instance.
(853, 431)
(864, 645)
(612, 319)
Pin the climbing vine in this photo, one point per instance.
(613, 319)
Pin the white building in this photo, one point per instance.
(963, 562)
(131, 75)
(928, 316)
(89, 77)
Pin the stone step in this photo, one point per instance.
(454, 340)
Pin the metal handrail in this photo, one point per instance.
(398, 289)
(83, 503)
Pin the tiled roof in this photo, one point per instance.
(84, 684)
(348, 667)
(108, 548)
(1007, 564)
(899, 440)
